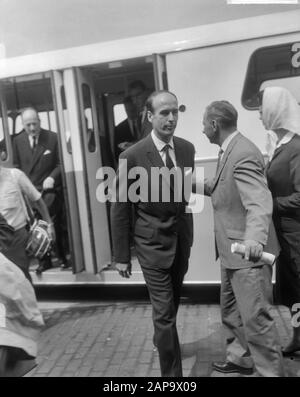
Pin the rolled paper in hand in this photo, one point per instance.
(266, 257)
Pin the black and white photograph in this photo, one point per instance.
(149, 191)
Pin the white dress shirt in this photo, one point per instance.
(159, 144)
(30, 136)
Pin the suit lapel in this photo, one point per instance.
(153, 154)
(39, 150)
(179, 155)
(224, 159)
(277, 151)
(27, 148)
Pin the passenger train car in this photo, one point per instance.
(79, 92)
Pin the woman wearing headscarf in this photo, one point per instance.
(280, 113)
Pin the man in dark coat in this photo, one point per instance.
(138, 93)
(35, 152)
(163, 230)
(126, 133)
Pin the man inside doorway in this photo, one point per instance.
(35, 152)
(138, 93)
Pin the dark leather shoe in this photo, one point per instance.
(228, 368)
(65, 265)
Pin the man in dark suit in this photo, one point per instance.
(242, 206)
(35, 152)
(126, 133)
(138, 94)
(163, 230)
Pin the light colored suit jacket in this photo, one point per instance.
(241, 201)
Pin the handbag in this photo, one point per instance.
(39, 241)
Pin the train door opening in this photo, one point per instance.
(104, 91)
(36, 91)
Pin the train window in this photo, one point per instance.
(119, 113)
(30, 91)
(18, 124)
(89, 123)
(274, 63)
(10, 125)
(66, 121)
(48, 120)
(3, 149)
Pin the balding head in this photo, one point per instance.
(163, 114)
(31, 121)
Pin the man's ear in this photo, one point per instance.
(214, 125)
(150, 116)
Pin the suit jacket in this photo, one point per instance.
(241, 201)
(43, 162)
(159, 226)
(146, 127)
(123, 133)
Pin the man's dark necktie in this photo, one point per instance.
(221, 151)
(135, 130)
(170, 165)
(34, 142)
(169, 162)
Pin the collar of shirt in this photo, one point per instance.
(159, 144)
(31, 138)
(286, 138)
(227, 141)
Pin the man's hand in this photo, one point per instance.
(125, 145)
(124, 269)
(48, 183)
(253, 250)
(51, 231)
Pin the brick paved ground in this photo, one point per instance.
(115, 339)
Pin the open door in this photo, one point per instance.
(116, 114)
(5, 139)
(160, 74)
(92, 157)
(70, 195)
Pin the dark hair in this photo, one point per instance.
(224, 112)
(137, 84)
(149, 101)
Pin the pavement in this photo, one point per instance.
(114, 339)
